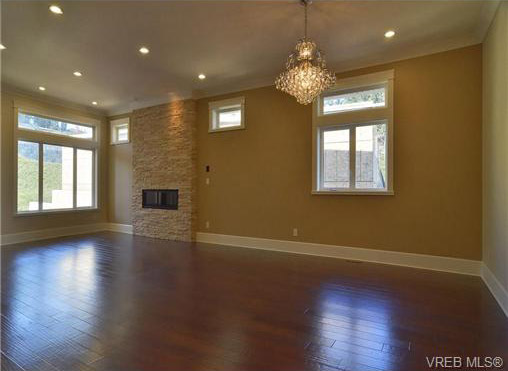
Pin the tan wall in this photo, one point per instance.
(120, 181)
(261, 176)
(495, 139)
(18, 224)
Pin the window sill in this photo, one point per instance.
(354, 193)
(219, 130)
(53, 212)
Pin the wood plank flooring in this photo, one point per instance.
(110, 301)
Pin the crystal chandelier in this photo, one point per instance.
(306, 75)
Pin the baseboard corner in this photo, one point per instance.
(495, 287)
(122, 228)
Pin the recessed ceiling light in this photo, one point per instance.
(77, 74)
(202, 76)
(389, 34)
(56, 9)
(144, 50)
(94, 103)
(42, 88)
(2, 47)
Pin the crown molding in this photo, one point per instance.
(48, 99)
(487, 15)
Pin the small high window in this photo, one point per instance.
(227, 114)
(120, 131)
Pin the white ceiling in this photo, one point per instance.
(237, 44)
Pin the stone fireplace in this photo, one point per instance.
(164, 158)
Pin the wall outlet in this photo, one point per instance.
(207, 224)
(295, 232)
(207, 181)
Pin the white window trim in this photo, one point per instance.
(41, 138)
(112, 132)
(349, 119)
(213, 107)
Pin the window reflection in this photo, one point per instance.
(41, 286)
(359, 322)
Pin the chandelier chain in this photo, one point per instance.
(305, 6)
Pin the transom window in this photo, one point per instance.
(354, 100)
(352, 131)
(56, 164)
(227, 114)
(47, 125)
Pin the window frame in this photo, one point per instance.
(225, 105)
(351, 119)
(41, 138)
(114, 125)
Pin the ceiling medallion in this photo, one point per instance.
(306, 75)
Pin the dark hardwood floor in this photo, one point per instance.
(111, 301)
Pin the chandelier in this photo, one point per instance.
(306, 75)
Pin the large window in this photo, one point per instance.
(56, 164)
(352, 128)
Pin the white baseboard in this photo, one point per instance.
(122, 228)
(438, 263)
(41, 234)
(495, 287)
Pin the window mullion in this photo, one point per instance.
(41, 176)
(94, 179)
(321, 152)
(74, 177)
(352, 157)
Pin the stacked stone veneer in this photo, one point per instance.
(164, 157)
